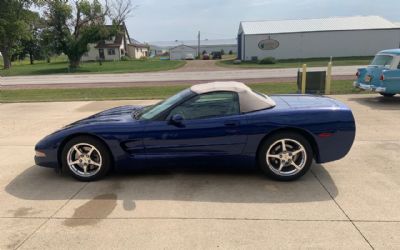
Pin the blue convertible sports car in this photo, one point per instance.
(213, 123)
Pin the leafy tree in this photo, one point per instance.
(14, 18)
(32, 44)
(74, 25)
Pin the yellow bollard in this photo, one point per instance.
(304, 79)
(328, 79)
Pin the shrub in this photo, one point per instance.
(125, 58)
(268, 60)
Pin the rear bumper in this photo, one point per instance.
(368, 87)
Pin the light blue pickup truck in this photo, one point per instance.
(382, 75)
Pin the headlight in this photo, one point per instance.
(39, 154)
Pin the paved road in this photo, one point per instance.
(351, 204)
(168, 76)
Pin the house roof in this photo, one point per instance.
(182, 45)
(118, 40)
(314, 25)
(138, 44)
(205, 42)
(248, 100)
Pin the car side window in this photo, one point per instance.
(214, 104)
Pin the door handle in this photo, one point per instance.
(231, 123)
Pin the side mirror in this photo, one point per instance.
(176, 119)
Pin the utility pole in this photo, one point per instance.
(198, 45)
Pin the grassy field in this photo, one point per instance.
(153, 92)
(297, 63)
(60, 66)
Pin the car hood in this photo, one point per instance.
(117, 114)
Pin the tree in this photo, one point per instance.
(32, 44)
(13, 26)
(120, 11)
(74, 26)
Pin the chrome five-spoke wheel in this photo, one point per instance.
(285, 156)
(84, 159)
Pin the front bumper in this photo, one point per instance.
(369, 87)
(46, 162)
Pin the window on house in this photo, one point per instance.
(122, 52)
(86, 54)
(111, 52)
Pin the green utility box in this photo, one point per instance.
(315, 82)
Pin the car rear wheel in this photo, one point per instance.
(387, 94)
(86, 158)
(285, 156)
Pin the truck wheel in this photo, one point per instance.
(387, 94)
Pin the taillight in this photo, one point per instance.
(382, 78)
(358, 73)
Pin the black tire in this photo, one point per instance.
(99, 171)
(270, 167)
(387, 94)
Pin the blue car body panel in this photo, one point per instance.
(383, 79)
(228, 140)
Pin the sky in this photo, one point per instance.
(169, 20)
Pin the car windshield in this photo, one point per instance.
(382, 60)
(152, 111)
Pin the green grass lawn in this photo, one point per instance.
(151, 92)
(61, 67)
(297, 63)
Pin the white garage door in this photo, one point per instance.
(180, 53)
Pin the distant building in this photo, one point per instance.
(137, 49)
(207, 45)
(313, 38)
(182, 52)
(116, 47)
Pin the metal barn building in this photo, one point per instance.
(208, 45)
(181, 52)
(315, 38)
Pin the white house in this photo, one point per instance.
(116, 47)
(313, 38)
(137, 49)
(181, 52)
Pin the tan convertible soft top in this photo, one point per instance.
(249, 100)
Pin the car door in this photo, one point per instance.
(211, 126)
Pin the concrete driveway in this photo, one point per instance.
(352, 203)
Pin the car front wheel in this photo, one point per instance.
(86, 158)
(285, 156)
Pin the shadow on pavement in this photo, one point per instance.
(379, 102)
(239, 185)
